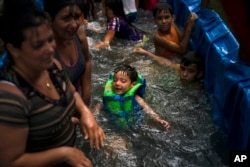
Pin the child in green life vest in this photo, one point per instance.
(122, 99)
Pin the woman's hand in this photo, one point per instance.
(92, 131)
(76, 158)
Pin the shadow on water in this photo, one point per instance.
(192, 141)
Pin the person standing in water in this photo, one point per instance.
(72, 45)
(39, 105)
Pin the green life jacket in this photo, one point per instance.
(123, 110)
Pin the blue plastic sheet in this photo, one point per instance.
(226, 77)
(3, 58)
(236, 109)
(40, 3)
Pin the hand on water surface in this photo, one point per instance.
(140, 51)
(164, 123)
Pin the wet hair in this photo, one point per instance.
(18, 16)
(129, 70)
(88, 8)
(193, 57)
(54, 6)
(162, 7)
(117, 7)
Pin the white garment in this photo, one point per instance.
(129, 6)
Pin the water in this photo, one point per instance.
(192, 141)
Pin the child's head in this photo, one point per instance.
(114, 8)
(191, 67)
(162, 7)
(125, 77)
(163, 16)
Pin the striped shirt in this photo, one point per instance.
(48, 120)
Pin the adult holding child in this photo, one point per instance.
(39, 106)
(72, 45)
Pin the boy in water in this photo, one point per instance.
(168, 39)
(190, 68)
(122, 99)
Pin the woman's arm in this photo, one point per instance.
(86, 78)
(89, 126)
(12, 151)
(151, 113)
(14, 139)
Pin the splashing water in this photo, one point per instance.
(192, 141)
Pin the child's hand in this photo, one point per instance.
(164, 123)
(193, 16)
(101, 45)
(140, 51)
(191, 20)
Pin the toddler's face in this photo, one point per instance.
(121, 83)
(188, 73)
(164, 20)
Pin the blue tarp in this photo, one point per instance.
(226, 77)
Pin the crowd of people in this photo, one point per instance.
(45, 76)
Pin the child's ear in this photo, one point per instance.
(134, 83)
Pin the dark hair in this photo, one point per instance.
(162, 7)
(117, 7)
(193, 57)
(129, 70)
(17, 17)
(54, 6)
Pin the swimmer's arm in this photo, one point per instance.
(171, 46)
(107, 40)
(183, 46)
(187, 31)
(146, 108)
(161, 60)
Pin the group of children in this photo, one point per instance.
(122, 97)
(45, 106)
